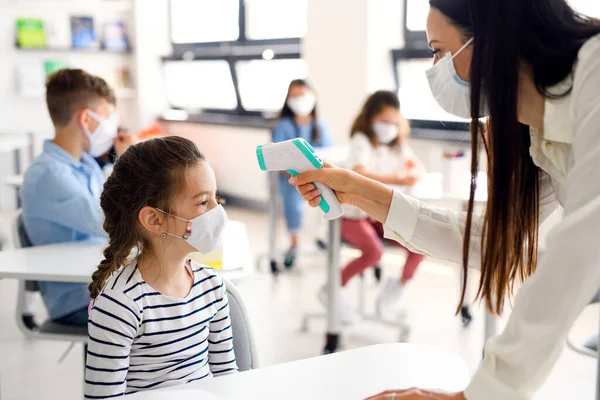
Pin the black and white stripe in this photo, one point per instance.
(141, 339)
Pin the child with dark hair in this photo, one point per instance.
(298, 119)
(157, 318)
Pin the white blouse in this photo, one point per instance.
(518, 361)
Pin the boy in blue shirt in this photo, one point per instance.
(61, 189)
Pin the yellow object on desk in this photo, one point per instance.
(213, 260)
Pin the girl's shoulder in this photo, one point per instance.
(360, 139)
(285, 122)
(124, 279)
(322, 124)
(206, 274)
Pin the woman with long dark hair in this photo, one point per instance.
(298, 119)
(533, 68)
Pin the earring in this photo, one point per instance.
(163, 236)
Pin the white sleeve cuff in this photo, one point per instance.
(484, 386)
(402, 217)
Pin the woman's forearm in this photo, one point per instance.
(387, 179)
(372, 197)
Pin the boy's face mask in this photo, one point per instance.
(103, 137)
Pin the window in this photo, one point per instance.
(204, 21)
(193, 85)
(415, 18)
(590, 8)
(416, 15)
(415, 96)
(234, 56)
(275, 19)
(264, 84)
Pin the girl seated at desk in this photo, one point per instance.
(378, 150)
(158, 319)
(298, 120)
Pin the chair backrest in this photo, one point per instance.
(21, 240)
(19, 235)
(243, 341)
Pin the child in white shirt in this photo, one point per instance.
(378, 150)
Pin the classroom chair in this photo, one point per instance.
(48, 329)
(243, 340)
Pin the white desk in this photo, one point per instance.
(75, 262)
(13, 142)
(348, 375)
(15, 181)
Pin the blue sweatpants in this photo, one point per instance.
(293, 205)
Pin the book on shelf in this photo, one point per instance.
(51, 66)
(123, 78)
(31, 80)
(58, 34)
(30, 33)
(83, 35)
(114, 37)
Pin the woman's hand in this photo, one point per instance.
(416, 394)
(338, 179)
(372, 197)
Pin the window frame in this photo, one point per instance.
(413, 39)
(409, 54)
(242, 49)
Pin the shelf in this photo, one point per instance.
(120, 94)
(79, 5)
(71, 50)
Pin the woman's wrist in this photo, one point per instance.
(373, 197)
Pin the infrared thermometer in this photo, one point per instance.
(296, 156)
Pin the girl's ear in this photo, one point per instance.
(152, 220)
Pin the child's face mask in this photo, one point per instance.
(204, 232)
(103, 137)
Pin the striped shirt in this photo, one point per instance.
(140, 339)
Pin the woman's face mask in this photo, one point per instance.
(452, 93)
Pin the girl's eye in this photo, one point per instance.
(204, 203)
(435, 52)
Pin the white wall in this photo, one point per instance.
(152, 29)
(347, 49)
(231, 152)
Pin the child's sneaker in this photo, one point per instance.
(347, 313)
(290, 258)
(389, 297)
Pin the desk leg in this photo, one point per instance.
(333, 286)
(17, 168)
(598, 369)
(272, 211)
